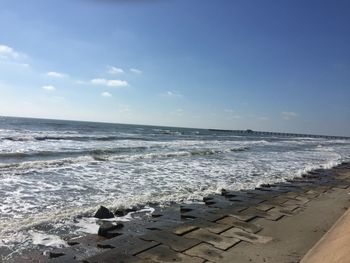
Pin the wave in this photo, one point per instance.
(174, 154)
(107, 155)
(72, 138)
(51, 154)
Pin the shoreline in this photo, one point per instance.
(248, 225)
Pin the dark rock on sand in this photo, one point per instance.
(120, 212)
(56, 254)
(108, 229)
(103, 213)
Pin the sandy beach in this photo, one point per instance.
(273, 223)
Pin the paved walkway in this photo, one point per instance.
(334, 246)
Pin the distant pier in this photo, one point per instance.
(282, 134)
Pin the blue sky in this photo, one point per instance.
(265, 65)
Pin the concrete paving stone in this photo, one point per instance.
(217, 201)
(289, 195)
(67, 252)
(217, 241)
(246, 226)
(264, 206)
(246, 199)
(279, 190)
(264, 188)
(302, 200)
(261, 194)
(127, 245)
(293, 202)
(112, 257)
(162, 224)
(175, 242)
(165, 254)
(277, 200)
(342, 186)
(189, 207)
(309, 195)
(233, 209)
(171, 213)
(252, 211)
(243, 217)
(312, 192)
(30, 256)
(290, 208)
(64, 259)
(246, 236)
(209, 252)
(234, 193)
(221, 204)
(183, 229)
(291, 186)
(279, 213)
(270, 215)
(210, 226)
(88, 240)
(209, 216)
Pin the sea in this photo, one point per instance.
(55, 174)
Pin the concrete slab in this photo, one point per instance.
(111, 257)
(213, 254)
(246, 236)
(127, 245)
(175, 242)
(165, 254)
(217, 241)
(246, 226)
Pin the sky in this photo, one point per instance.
(272, 65)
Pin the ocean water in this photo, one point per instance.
(53, 171)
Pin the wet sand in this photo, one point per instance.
(273, 223)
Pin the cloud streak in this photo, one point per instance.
(9, 53)
(114, 70)
(117, 83)
(48, 88)
(287, 115)
(172, 94)
(136, 71)
(106, 94)
(55, 74)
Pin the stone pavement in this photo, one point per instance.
(237, 226)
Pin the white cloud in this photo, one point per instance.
(48, 88)
(229, 111)
(8, 52)
(172, 94)
(136, 71)
(287, 115)
(114, 70)
(106, 94)
(109, 82)
(55, 74)
(117, 83)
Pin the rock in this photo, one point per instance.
(120, 212)
(103, 213)
(56, 254)
(108, 229)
